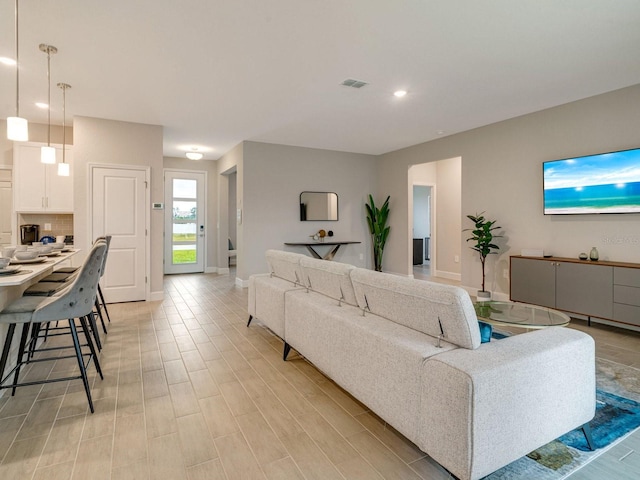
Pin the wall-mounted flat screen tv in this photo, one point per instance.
(601, 183)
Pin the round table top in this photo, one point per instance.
(522, 315)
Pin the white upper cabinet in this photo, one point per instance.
(37, 186)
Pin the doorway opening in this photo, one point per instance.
(435, 220)
(422, 219)
(184, 238)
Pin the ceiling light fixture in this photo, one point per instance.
(400, 93)
(63, 167)
(17, 127)
(194, 155)
(48, 153)
(42, 105)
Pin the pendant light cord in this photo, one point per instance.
(64, 115)
(49, 100)
(17, 64)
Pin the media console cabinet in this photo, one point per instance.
(603, 290)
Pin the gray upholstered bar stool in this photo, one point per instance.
(75, 301)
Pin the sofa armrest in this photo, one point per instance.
(484, 408)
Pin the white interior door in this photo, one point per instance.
(118, 209)
(184, 228)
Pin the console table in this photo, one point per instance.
(310, 246)
(602, 289)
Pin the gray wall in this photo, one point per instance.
(274, 176)
(502, 175)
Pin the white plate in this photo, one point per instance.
(15, 261)
(9, 270)
(51, 254)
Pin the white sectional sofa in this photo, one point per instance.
(410, 350)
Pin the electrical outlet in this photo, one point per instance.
(362, 256)
(47, 227)
(505, 273)
(456, 258)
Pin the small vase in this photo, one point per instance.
(593, 254)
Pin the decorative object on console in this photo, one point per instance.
(330, 233)
(377, 221)
(482, 236)
(583, 256)
(593, 254)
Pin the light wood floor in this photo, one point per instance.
(191, 392)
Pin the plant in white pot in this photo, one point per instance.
(482, 237)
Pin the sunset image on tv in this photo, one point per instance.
(603, 183)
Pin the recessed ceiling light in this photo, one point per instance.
(7, 61)
(42, 105)
(440, 132)
(400, 93)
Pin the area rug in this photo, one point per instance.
(617, 416)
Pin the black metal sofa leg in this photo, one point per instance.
(586, 429)
(250, 318)
(287, 349)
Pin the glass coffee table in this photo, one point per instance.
(523, 315)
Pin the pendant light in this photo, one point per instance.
(63, 167)
(48, 153)
(17, 127)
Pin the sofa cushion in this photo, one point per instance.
(285, 265)
(267, 300)
(329, 278)
(431, 308)
(377, 361)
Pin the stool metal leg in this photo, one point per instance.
(21, 349)
(94, 329)
(85, 329)
(99, 310)
(104, 304)
(83, 370)
(6, 348)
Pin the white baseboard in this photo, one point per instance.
(222, 270)
(448, 275)
(211, 270)
(156, 296)
(242, 283)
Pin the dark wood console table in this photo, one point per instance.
(310, 246)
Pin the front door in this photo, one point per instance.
(119, 199)
(184, 232)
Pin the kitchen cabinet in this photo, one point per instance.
(37, 186)
(603, 289)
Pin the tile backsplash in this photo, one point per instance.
(61, 224)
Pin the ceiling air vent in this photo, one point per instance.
(350, 82)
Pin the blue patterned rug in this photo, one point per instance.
(616, 416)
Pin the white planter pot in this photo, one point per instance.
(483, 296)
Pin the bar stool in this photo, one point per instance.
(75, 301)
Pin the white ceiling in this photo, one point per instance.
(217, 72)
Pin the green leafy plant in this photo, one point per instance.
(377, 221)
(482, 235)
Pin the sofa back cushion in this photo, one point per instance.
(285, 265)
(427, 307)
(329, 278)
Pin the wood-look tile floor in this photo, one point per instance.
(191, 393)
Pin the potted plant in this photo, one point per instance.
(482, 238)
(377, 221)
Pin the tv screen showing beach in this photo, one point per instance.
(603, 183)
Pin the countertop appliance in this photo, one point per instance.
(29, 233)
